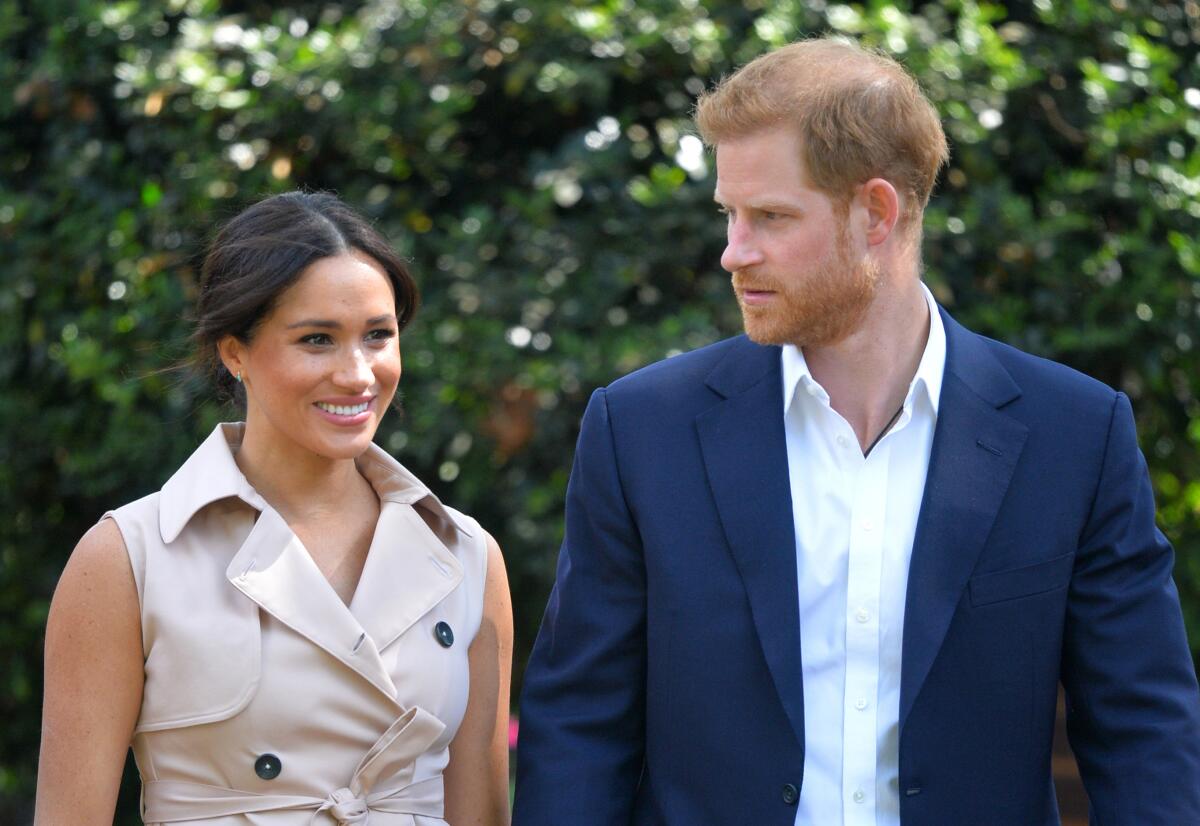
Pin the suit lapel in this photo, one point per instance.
(975, 450)
(742, 441)
(273, 568)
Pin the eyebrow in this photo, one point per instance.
(334, 325)
(768, 205)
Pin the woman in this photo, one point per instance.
(294, 629)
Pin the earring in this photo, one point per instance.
(238, 377)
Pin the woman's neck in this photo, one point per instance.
(295, 481)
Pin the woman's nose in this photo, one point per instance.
(356, 371)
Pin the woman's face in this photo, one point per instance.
(323, 365)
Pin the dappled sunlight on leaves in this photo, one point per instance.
(536, 162)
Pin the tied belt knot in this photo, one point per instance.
(347, 808)
(383, 782)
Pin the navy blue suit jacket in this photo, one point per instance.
(665, 685)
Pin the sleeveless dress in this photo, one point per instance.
(268, 700)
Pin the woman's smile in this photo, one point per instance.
(346, 412)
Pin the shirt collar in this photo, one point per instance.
(928, 376)
(211, 474)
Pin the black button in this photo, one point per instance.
(444, 634)
(790, 794)
(268, 767)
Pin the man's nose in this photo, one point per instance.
(741, 250)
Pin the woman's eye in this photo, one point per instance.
(382, 334)
(317, 339)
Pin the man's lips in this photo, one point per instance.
(754, 296)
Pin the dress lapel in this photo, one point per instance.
(975, 450)
(408, 571)
(274, 569)
(745, 454)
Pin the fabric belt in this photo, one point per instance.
(381, 783)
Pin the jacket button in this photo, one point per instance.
(790, 794)
(268, 767)
(444, 634)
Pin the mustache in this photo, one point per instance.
(754, 283)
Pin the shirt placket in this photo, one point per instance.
(864, 573)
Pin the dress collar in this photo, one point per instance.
(211, 474)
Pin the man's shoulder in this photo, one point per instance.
(1042, 379)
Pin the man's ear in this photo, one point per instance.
(882, 205)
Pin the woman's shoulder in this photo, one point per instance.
(98, 571)
(103, 543)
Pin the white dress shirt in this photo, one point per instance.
(855, 518)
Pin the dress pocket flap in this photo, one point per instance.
(1026, 581)
(201, 665)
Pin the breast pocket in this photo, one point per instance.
(1027, 581)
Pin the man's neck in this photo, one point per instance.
(868, 373)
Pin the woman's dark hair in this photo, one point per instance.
(263, 250)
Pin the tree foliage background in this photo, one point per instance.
(533, 157)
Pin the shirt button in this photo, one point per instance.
(859, 796)
(842, 441)
(862, 615)
(860, 703)
(868, 525)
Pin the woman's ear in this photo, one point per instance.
(233, 355)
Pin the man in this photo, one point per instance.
(833, 571)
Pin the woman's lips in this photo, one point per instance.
(346, 412)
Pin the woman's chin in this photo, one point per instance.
(346, 444)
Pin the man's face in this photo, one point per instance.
(797, 277)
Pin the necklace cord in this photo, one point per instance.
(882, 433)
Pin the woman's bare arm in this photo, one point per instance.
(477, 776)
(93, 685)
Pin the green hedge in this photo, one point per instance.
(531, 157)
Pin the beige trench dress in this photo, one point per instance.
(267, 700)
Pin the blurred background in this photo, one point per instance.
(534, 159)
